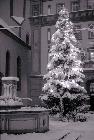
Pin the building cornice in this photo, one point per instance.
(76, 17)
(43, 20)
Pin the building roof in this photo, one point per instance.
(19, 20)
(7, 30)
(3, 24)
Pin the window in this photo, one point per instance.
(49, 35)
(92, 87)
(27, 38)
(78, 32)
(49, 38)
(59, 6)
(91, 33)
(92, 55)
(75, 6)
(7, 67)
(1, 75)
(49, 9)
(35, 10)
(44, 122)
(11, 7)
(83, 54)
(24, 8)
(90, 4)
(20, 32)
(19, 72)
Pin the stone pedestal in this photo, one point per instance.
(9, 99)
(10, 86)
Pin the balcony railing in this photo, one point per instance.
(89, 64)
(43, 20)
(48, 20)
(82, 16)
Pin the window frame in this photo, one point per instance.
(49, 35)
(27, 38)
(91, 51)
(35, 12)
(90, 5)
(24, 8)
(77, 7)
(58, 4)
(19, 66)
(7, 65)
(90, 33)
(91, 87)
(11, 8)
(49, 10)
(78, 34)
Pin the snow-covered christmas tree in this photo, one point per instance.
(65, 71)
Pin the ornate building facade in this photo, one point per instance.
(26, 37)
(15, 45)
(42, 21)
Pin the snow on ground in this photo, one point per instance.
(54, 134)
(81, 130)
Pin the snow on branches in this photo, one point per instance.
(64, 67)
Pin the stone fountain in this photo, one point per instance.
(14, 117)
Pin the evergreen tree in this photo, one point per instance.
(64, 67)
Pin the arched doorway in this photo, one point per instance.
(90, 91)
(7, 68)
(19, 73)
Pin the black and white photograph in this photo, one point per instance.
(46, 69)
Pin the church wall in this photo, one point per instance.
(45, 47)
(15, 49)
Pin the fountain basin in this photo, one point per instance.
(24, 120)
(17, 119)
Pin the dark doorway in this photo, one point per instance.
(7, 70)
(90, 90)
(19, 72)
(1, 75)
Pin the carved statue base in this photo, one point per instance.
(9, 98)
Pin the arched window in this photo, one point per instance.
(27, 38)
(49, 9)
(49, 35)
(1, 75)
(19, 72)
(7, 67)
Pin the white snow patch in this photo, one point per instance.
(10, 78)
